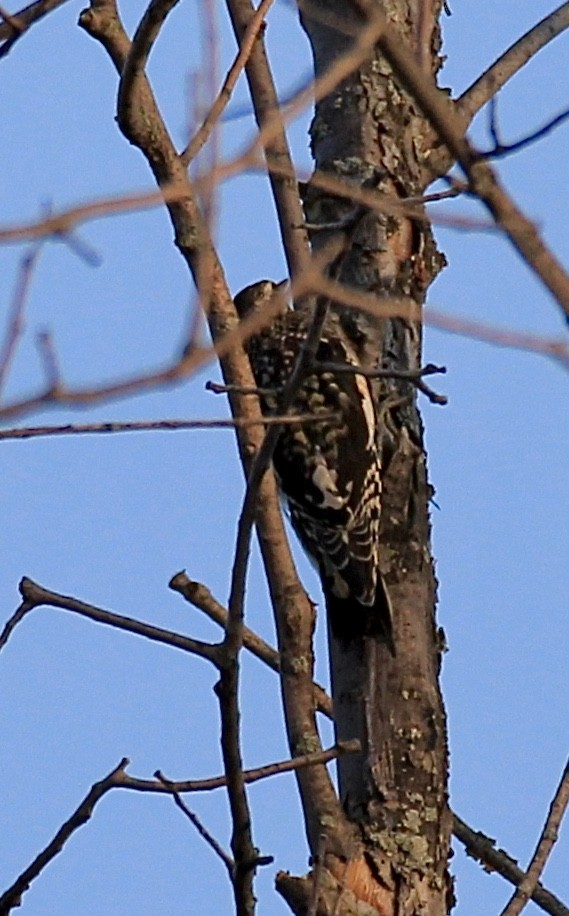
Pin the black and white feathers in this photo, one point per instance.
(329, 470)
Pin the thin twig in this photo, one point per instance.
(556, 349)
(250, 776)
(15, 25)
(456, 190)
(12, 897)
(16, 320)
(511, 61)
(218, 388)
(201, 136)
(493, 125)
(242, 844)
(201, 597)
(204, 87)
(59, 224)
(119, 779)
(501, 149)
(414, 376)
(543, 849)
(49, 358)
(202, 830)
(35, 595)
(483, 849)
(81, 429)
(233, 641)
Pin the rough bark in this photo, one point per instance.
(368, 130)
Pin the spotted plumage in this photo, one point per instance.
(329, 471)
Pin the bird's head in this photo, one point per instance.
(255, 298)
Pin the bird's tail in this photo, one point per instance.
(350, 619)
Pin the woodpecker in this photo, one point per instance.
(329, 470)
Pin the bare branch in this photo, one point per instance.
(60, 224)
(557, 350)
(119, 779)
(200, 138)
(13, 896)
(49, 358)
(15, 25)
(35, 595)
(133, 70)
(484, 850)
(59, 395)
(249, 776)
(414, 376)
(202, 830)
(274, 142)
(15, 327)
(56, 393)
(201, 597)
(228, 687)
(76, 429)
(192, 359)
(501, 149)
(509, 63)
(543, 849)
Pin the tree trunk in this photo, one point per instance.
(368, 131)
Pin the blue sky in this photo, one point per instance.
(110, 519)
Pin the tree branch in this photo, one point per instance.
(543, 849)
(12, 897)
(275, 145)
(35, 595)
(483, 849)
(556, 349)
(500, 149)
(10, 32)
(132, 74)
(201, 829)
(80, 429)
(201, 597)
(60, 224)
(15, 327)
(510, 62)
(414, 376)
(252, 31)
(119, 779)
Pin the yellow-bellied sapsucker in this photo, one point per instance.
(329, 470)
